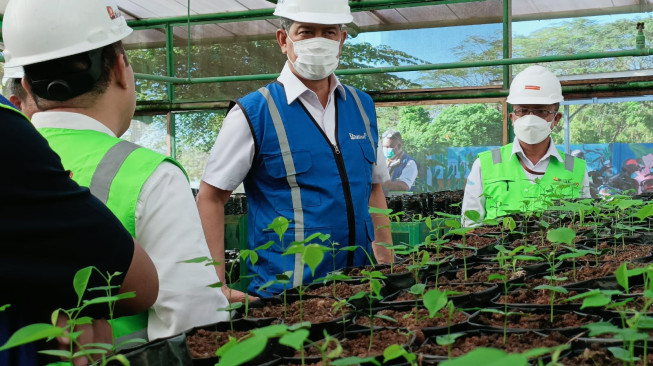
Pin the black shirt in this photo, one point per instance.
(50, 227)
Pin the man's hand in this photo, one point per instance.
(236, 296)
(99, 331)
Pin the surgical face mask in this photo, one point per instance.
(388, 152)
(532, 129)
(317, 57)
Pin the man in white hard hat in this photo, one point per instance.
(520, 175)
(77, 71)
(306, 148)
(18, 96)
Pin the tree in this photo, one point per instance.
(469, 125)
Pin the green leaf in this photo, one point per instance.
(197, 260)
(551, 288)
(622, 354)
(376, 210)
(622, 275)
(644, 212)
(271, 331)
(447, 339)
(243, 351)
(496, 276)
(279, 225)
(80, 282)
(417, 289)
(452, 223)
(295, 339)
(393, 351)
(231, 306)
(265, 246)
(313, 256)
(31, 333)
(434, 301)
(599, 328)
(56, 353)
(473, 215)
(595, 301)
(561, 235)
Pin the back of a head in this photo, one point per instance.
(66, 35)
(535, 85)
(313, 11)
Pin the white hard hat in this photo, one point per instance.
(41, 30)
(12, 73)
(535, 85)
(315, 11)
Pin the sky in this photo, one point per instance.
(429, 44)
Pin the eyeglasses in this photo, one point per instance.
(543, 113)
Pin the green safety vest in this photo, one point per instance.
(115, 171)
(506, 187)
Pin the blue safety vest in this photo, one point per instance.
(396, 172)
(298, 174)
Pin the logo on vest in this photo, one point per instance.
(358, 137)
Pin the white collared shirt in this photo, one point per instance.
(168, 227)
(233, 152)
(473, 199)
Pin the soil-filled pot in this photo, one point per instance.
(356, 343)
(397, 276)
(321, 312)
(529, 299)
(569, 323)
(516, 341)
(343, 290)
(416, 319)
(204, 341)
(597, 352)
(461, 294)
(169, 351)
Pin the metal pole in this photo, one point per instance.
(567, 131)
(427, 67)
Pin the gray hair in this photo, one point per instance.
(287, 23)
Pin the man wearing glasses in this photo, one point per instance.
(528, 173)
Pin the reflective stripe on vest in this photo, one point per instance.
(108, 168)
(366, 119)
(295, 191)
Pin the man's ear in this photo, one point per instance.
(556, 119)
(16, 101)
(120, 70)
(282, 39)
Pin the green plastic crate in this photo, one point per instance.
(235, 237)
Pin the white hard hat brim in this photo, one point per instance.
(318, 18)
(534, 100)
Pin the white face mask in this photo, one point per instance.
(532, 129)
(317, 57)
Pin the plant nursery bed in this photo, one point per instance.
(538, 321)
(315, 310)
(596, 354)
(406, 319)
(526, 296)
(583, 273)
(619, 253)
(341, 290)
(357, 343)
(516, 342)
